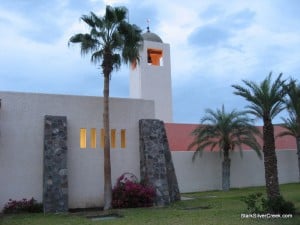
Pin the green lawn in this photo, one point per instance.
(207, 208)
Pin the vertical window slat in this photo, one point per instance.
(113, 138)
(93, 138)
(123, 138)
(102, 138)
(82, 138)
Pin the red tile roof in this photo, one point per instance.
(179, 137)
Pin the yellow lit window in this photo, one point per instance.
(93, 139)
(82, 138)
(123, 138)
(102, 138)
(113, 138)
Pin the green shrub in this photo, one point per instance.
(279, 206)
(24, 205)
(256, 203)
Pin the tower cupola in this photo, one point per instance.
(149, 36)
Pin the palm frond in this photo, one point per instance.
(121, 13)
(292, 103)
(87, 43)
(116, 61)
(293, 100)
(132, 42)
(99, 22)
(277, 108)
(89, 20)
(97, 56)
(290, 125)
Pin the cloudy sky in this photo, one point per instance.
(214, 44)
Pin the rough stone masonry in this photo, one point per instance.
(156, 163)
(55, 191)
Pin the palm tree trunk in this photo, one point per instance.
(298, 153)
(226, 171)
(298, 142)
(270, 160)
(107, 164)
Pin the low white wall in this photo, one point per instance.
(201, 174)
(205, 173)
(21, 143)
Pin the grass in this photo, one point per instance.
(207, 208)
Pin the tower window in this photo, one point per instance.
(155, 57)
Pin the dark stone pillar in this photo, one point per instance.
(55, 193)
(156, 163)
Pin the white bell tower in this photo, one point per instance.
(151, 77)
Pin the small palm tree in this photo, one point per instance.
(110, 41)
(225, 131)
(266, 101)
(292, 124)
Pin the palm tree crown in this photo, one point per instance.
(266, 99)
(110, 40)
(225, 131)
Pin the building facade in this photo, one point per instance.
(22, 135)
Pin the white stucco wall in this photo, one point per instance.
(205, 173)
(202, 174)
(21, 143)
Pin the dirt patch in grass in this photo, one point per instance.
(197, 207)
(105, 217)
(96, 214)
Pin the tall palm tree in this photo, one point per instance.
(111, 39)
(266, 101)
(225, 131)
(292, 124)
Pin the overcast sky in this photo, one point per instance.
(214, 44)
